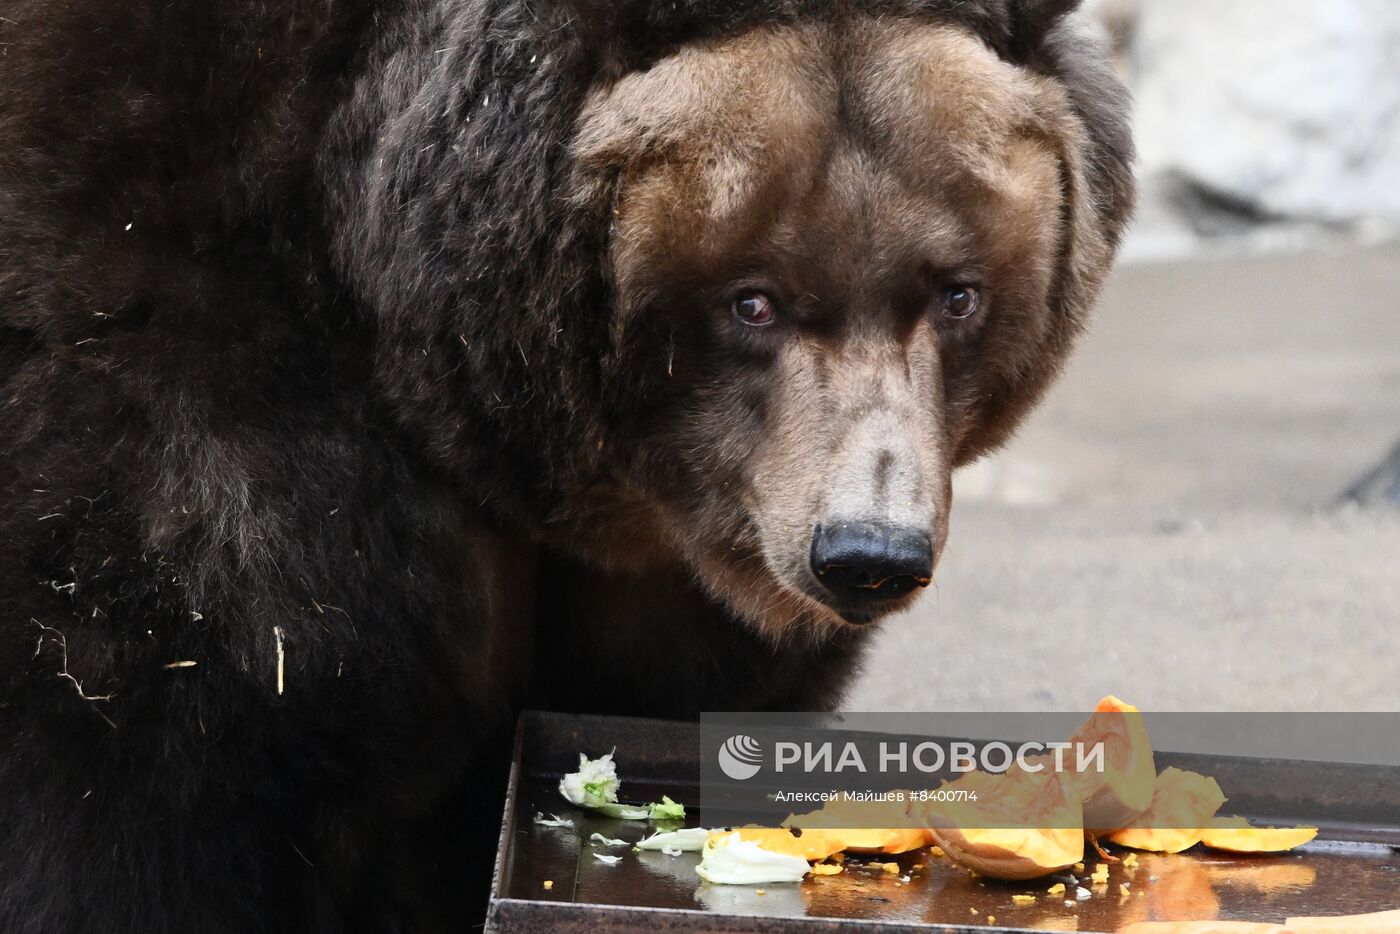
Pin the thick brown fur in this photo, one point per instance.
(354, 395)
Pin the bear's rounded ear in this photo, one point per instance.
(1031, 20)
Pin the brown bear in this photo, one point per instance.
(373, 369)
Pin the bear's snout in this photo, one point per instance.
(876, 526)
(866, 563)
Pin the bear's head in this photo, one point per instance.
(844, 261)
(809, 267)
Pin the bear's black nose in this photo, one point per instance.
(865, 562)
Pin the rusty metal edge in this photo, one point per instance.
(498, 870)
(513, 915)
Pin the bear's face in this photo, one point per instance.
(844, 261)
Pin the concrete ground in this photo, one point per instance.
(1166, 527)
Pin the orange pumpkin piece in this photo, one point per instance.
(1182, 804)
(1236, 835)
(1116, 796)
(865, 826)
(1022, 825)
(811, 845)
(890, 842)
(1385, 922)
(1204, 927)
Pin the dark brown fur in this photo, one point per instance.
(381, 343)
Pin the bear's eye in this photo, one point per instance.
(961, 301)
(754, 308)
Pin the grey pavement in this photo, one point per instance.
(1166, 527)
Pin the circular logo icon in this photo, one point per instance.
(740, 757)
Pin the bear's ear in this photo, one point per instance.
(1031, 20)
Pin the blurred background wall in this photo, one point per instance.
(1270, 123)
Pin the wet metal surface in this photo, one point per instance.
(1352, 868)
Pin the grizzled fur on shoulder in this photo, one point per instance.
(304, 347)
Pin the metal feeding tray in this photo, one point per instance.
(1353, 867)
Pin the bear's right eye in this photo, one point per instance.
(961, 302)
(754, 308)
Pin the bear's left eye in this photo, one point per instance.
(755, 308)
(961, 301)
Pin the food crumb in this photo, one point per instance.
(1078, 867)
(827, 869)
(548, 884)
(1130, 861)
(991, 919)
(1057, 889)
(1023, 899)
(1123, 890)
(1100, 874)
(891, 868)
(762, 891)
(937, 851)
(974, 911)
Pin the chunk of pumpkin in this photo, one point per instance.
(1236, 835)
(1385, 922)
(1116, 796)
(1157, 840)
(1013, 853)
(812, 845)
(890, 842)
(1022, 825)
(1182, 804)
(865, 826)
